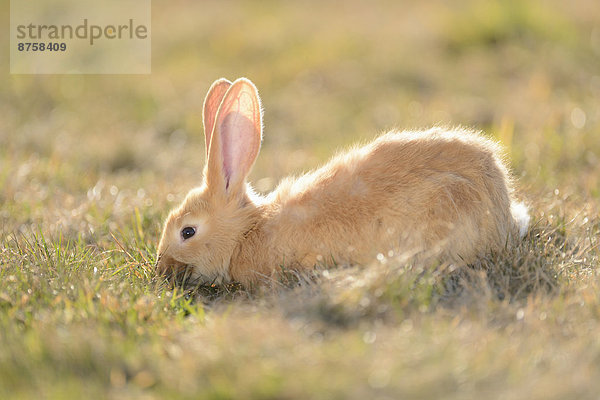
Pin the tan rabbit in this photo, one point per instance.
(437, 193)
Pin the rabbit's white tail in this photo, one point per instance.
(521, 215)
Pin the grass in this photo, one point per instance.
(90, 165)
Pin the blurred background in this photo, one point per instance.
(80, 154)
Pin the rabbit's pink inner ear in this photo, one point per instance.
(239, 124)
(213, 100)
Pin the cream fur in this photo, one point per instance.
(439, 193)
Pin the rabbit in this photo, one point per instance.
(442, 193)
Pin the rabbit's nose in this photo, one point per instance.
(166, 265)
(171, 269)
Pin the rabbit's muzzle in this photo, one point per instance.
(171, 269)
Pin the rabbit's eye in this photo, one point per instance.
(188, 232)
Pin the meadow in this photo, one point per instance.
(90, 165)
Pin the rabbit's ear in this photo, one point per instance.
(236, 139)
(211, 106)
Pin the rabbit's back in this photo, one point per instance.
(414, 193)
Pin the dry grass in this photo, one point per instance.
(90, 165)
